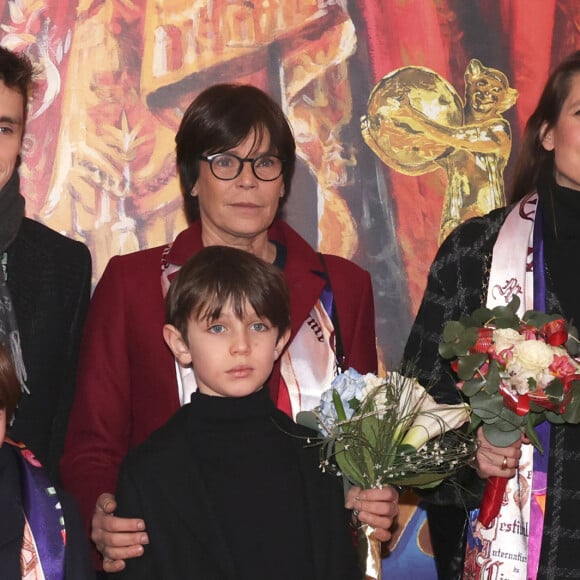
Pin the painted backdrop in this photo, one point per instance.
(405, 113)
(117, 74)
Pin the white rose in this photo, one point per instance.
(533, 355)
(505, 338)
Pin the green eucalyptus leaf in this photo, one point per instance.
(472, 386)
(474, 424)
(492, 383)
(555, 418)
(507, 321)
(555, 390)
(500, 438)
(538, 319)
(487, 407)
(469, 364)
(452, 331)
(508, 420)
(448, 350)
(466, 341)
(481, 317)
(509, 309)
(307, 419)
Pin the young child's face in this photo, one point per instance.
(231, 357)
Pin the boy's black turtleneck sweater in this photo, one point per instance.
(251, 470)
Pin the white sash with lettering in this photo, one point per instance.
(308, 365)
(503, 550)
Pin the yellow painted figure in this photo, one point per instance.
(417, 123)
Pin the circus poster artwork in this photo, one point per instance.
(406, 117)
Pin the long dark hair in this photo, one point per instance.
(534, 163)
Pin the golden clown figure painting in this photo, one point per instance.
(417, 123)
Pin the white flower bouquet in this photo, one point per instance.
(515, 373)
(378, 431)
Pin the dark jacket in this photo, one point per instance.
(457, 285)
(49, 277)
(160, 483)
(77, 562)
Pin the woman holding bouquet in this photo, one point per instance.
(235, 158)
(530, 249)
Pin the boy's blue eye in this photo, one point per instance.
(217, 328)
(259, 327)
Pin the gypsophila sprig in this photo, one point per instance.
(387, 431)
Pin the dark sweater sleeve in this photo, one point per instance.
(77, 273)
(78, 564)
(130, 505)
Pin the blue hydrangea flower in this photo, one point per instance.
(349, 385)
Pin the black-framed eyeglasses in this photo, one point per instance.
(228, 166)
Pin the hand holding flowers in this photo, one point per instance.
(387, 431)
(516, 373)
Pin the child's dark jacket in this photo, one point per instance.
(162, 483)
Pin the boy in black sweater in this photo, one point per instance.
(229, 488)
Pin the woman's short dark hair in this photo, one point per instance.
(218, 275)
(9, 384)
(534, 162)
(220, 118)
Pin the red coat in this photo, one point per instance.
(126, 380)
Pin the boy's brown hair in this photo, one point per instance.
(218, 275)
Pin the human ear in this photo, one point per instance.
(546, 137)
(177, 344)
(281, 343)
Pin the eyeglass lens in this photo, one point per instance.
(228, 166)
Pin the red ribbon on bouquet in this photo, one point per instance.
(492, 500)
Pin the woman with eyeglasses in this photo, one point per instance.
(235, 159)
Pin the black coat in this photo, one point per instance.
(49, 277)
(161, 484)
(77, 562)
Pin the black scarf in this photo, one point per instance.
(11, 211)
(11, 215)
